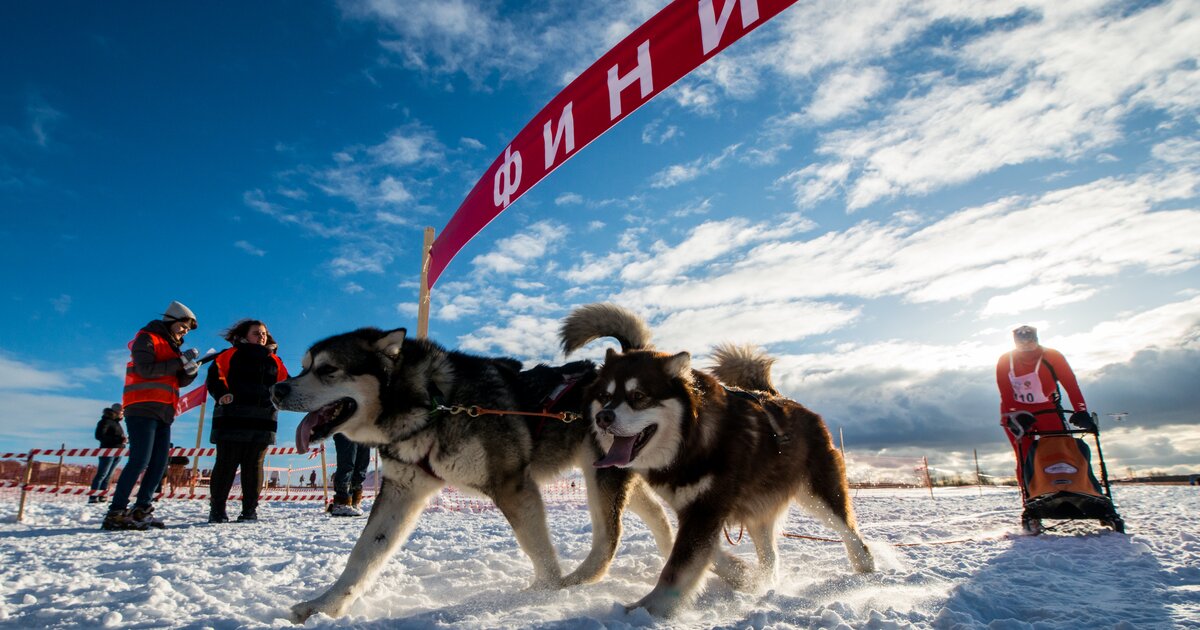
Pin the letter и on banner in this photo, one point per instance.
(685, 34)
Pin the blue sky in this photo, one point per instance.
(875, 192)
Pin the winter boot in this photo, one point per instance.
(94, 499)
(145, 516)
(341, 507)
(117, 520)
(356, 499)
(248, 515)
(217, 516)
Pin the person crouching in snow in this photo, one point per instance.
(157, 369)
(244, 421)
(110, 434)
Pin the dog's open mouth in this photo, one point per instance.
(319, 424)
(625, 448)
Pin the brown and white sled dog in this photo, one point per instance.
(719, 457)
(410, 398)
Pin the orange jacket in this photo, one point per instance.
(162, 389)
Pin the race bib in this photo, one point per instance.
(1027, 388)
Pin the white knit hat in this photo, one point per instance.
(179, 312)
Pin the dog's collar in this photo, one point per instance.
(437, 401)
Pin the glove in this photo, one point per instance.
(1083, 420)
(190, 354)
(191, 368)
(1020, 422)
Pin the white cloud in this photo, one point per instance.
(406, 146)
(1059, 84)
(680, 173)
(352, 288)
(967, 252)
(568, 199)
(1179, 151)
(479, 40)
(652, 134)
(593, 268)
(73, 419)
(1042, 295)
(523, 303)
(245, 246)
(392, 190)
(699, 330)
(61, 304)
(524, 337)
(459, 306)
(710, 241)
(42, 118)
(515, 253)
(845, 92)
(17, 375)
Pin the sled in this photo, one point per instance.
(1059, 483)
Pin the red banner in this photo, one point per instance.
(685, 34)
(191, 399)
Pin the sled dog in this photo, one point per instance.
(418, 402)
(719, 456)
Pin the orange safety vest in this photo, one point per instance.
(226, 356)
(164, 389)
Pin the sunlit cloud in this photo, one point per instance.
(513, 254)
(247, 247)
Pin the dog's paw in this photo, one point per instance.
(659, 603)
(546, 583)
(582, 576)
(302, 611)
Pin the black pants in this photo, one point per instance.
(231, 455)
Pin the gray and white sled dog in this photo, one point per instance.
(411, 398)
(719, 456)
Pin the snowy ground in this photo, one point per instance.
(463, 570)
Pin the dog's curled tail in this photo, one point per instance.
(597, 321)
(745, 367)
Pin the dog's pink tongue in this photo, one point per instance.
(619, 454)
(304, 431)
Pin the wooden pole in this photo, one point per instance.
(928, 479)
(25, 486)
(199, 436)
(842, 441)
(324, 476)
(61, 453)
(423, 297)
(978, 477)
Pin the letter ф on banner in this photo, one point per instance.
(685, 34)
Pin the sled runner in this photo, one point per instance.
(1059, 483)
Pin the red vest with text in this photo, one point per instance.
(163, 389)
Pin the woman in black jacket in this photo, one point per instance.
(244, 421)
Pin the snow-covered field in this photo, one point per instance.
(464, 570)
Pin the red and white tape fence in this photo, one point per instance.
(123, 452)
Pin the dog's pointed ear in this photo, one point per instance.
(678, 365)
(610, 354)
(390, 344)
